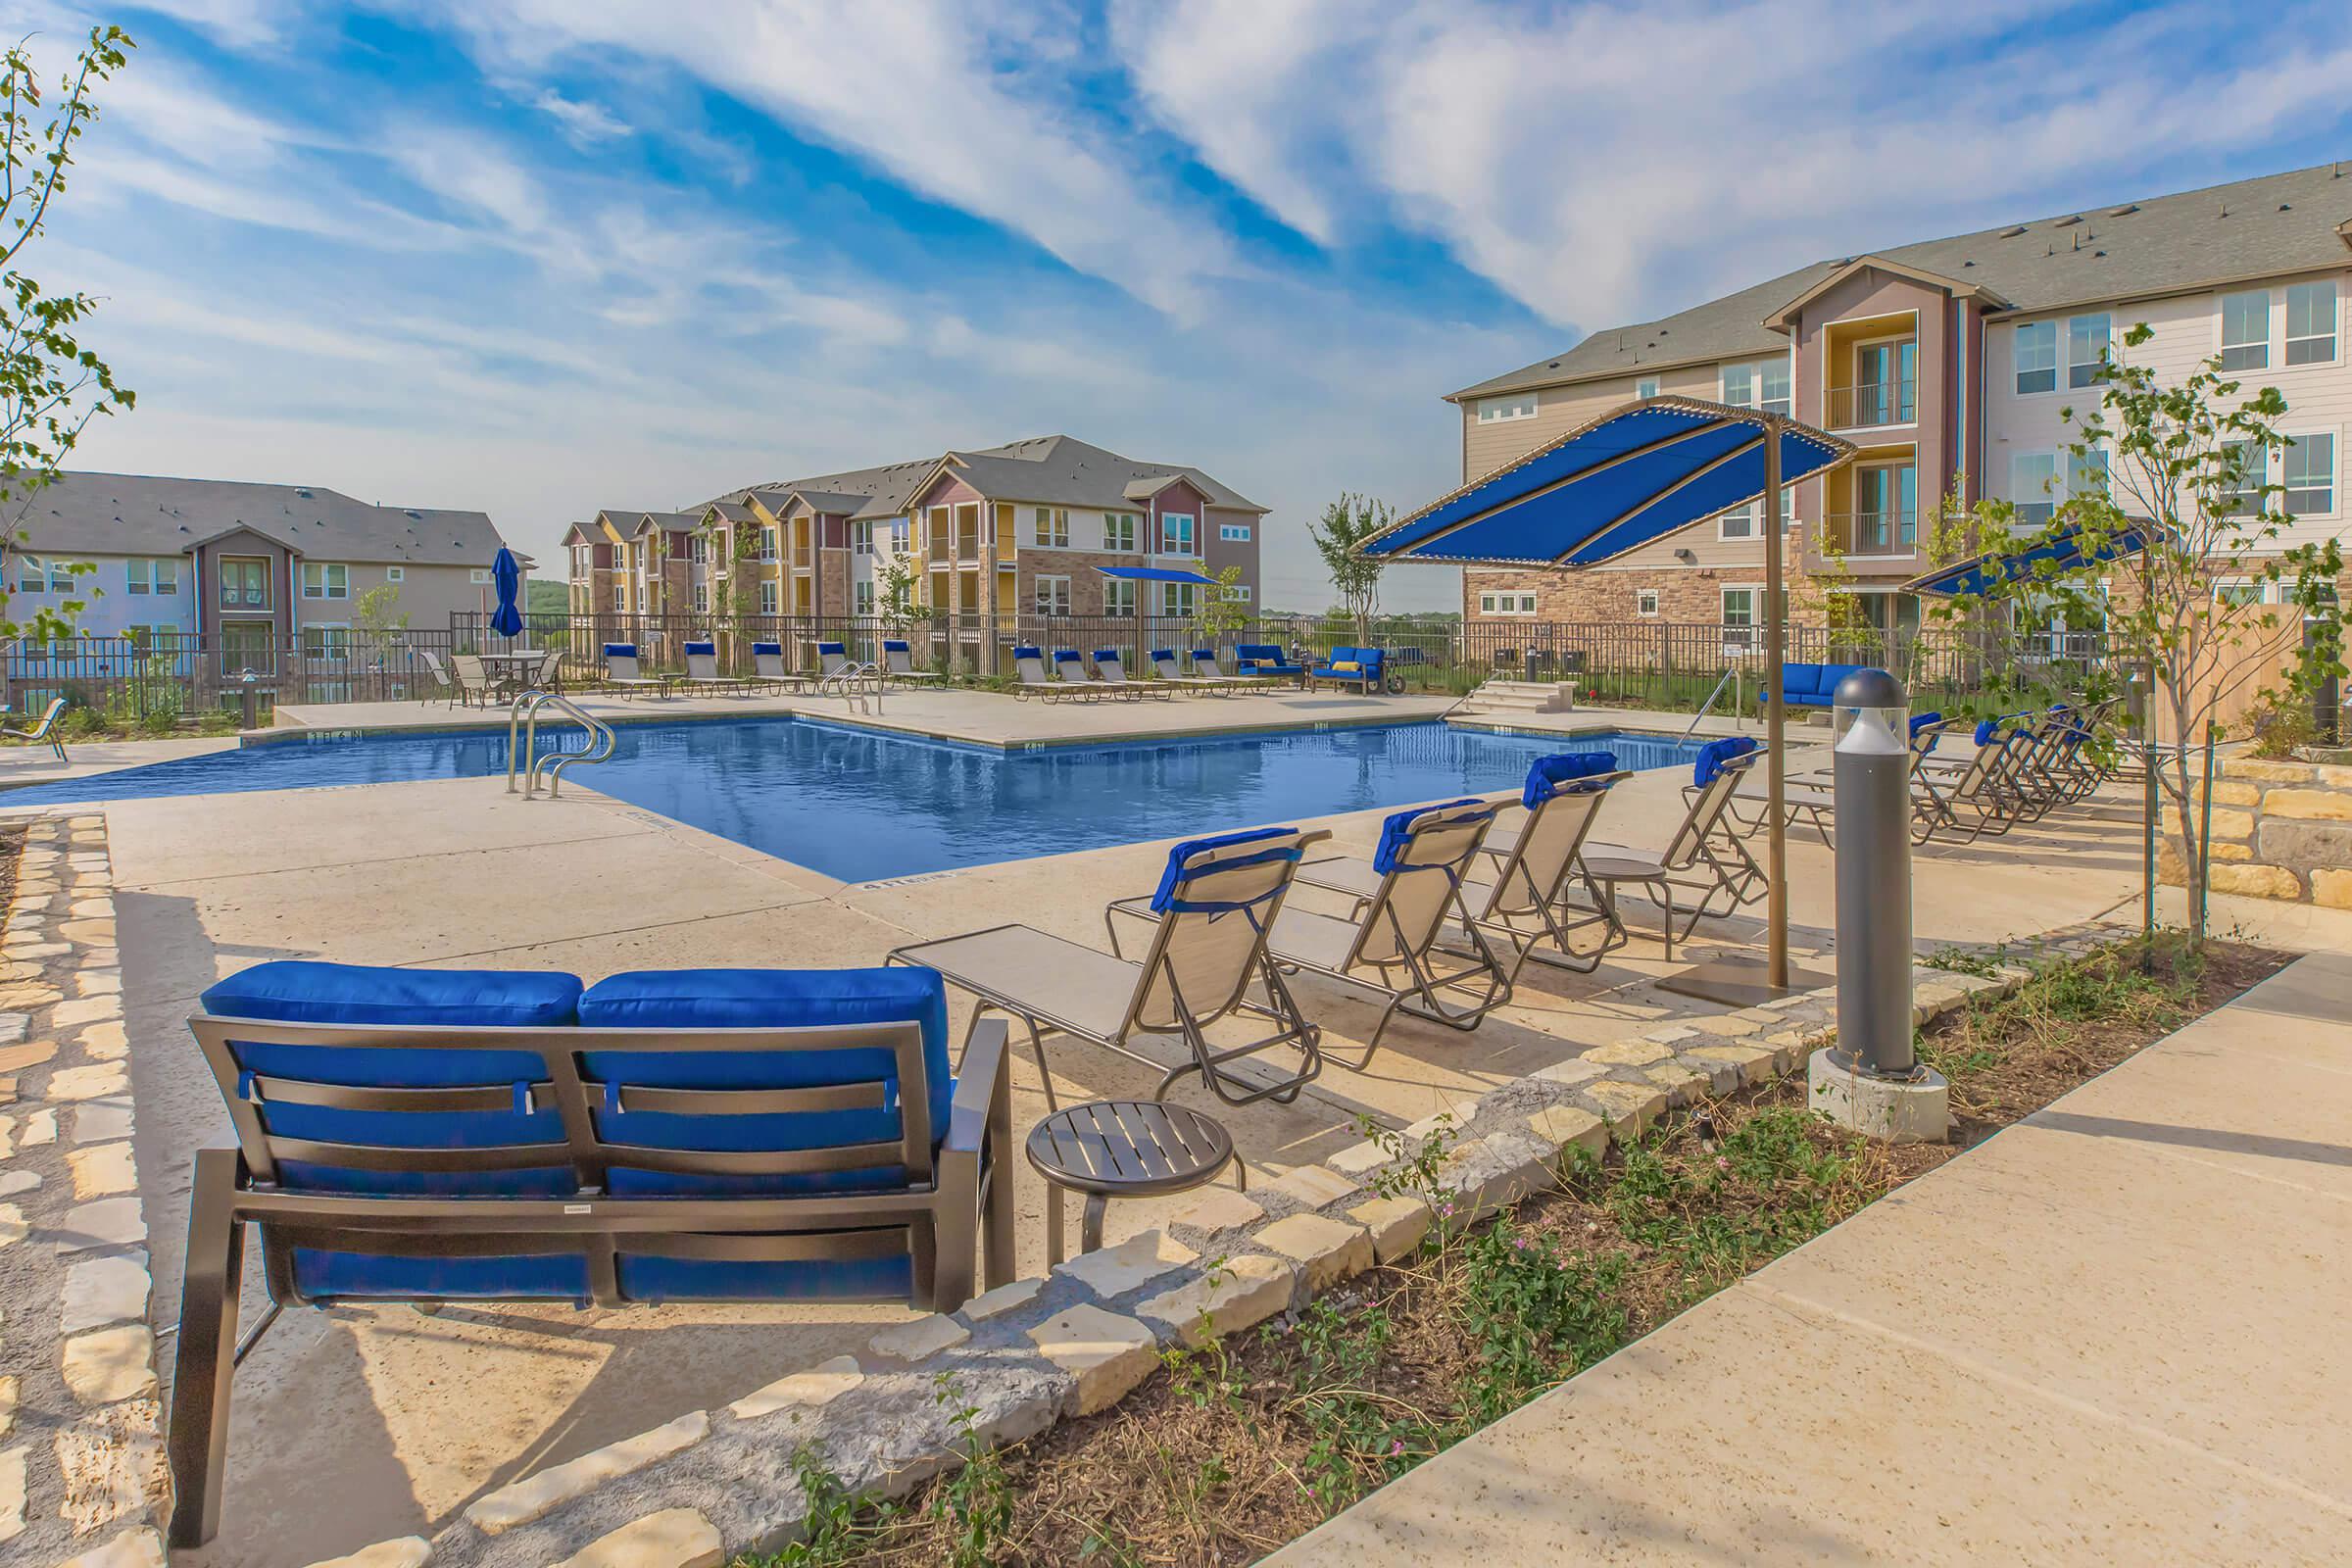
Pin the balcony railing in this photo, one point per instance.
(1873, 404)
(1872, 533)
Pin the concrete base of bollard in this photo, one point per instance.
(1892, 1112)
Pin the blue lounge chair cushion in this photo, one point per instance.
(767, 648)
(1705, 767)
(829, 648)
(1163, 897)
(1204, 653)
(296, 991)
(1027, 652)
(1164, 653)
(756, 998)
(1920, 722)
(892, 645)
(620, 650)
(702, 647)
(1397, 831)
(1988, 731)
(1545, 775)
(1110, 654)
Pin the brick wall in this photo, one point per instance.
(2280, 830)
(1687, 595)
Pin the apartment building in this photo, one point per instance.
(1949, 364)
(262, 563)
(1013, 530)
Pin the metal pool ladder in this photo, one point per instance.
(525, 711)
(854, 684)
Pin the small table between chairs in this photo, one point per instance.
(1123, 1148)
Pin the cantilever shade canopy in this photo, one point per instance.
(2060, 552)
(1154, 574)
(1633, 476)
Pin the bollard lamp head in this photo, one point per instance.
(1873, 713)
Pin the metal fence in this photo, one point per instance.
(153, 678)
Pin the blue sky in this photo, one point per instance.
(545, 256)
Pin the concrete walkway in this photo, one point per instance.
(2112, 1334)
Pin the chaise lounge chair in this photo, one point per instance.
(1704, 856)
(1112, 672)
(898, 663)
(768, 670)
(702, 670)
(1205, 662)
(622, 673)
(1071, 677)
(1029, 672)
(44, 729)
(1170, 673)
(708, 1135)
(1210, 914)
(833, 658)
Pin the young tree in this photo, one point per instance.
(1216, 613)
(50, 385)
(1339, 538)
(379, 611)
(894, 599)
(2184, 466)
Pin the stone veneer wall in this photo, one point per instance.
(1028, 1355)
(2280, 830)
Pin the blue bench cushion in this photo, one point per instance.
(1266, 657)
(756, 998)
(1814, 684)
(1547, 774)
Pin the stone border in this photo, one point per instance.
(82, 1476)
(1024, 1356)
(2280, 830)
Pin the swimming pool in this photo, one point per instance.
(860, 805)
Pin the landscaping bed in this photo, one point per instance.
(1235, 1449)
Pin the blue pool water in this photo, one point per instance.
(856, 805)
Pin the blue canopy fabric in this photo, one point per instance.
(1154, 574)
(506, 572)
(1633, 476)
(2062, 552)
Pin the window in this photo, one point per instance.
(321, 580)
(2032, 487)
(620, 598)
(1053, 528)
(1052, 596)
(2310, 475)
(1506, 603)
(2246, 331)
(2238, 590)
(1237, 594)
(1646, 601)
(1647, 388)
(1118, 598)
(1176, 535)
(1178, 598)
(862, 539)
(391, 574)
(767, 543)
(1236, 533)
(480, 576)
(698, 550)
(2085, 347)
(1517, 405)
(701, 599)
(2311, 324)
(768, 598)
(1763, 386)
(1740, 616)
(862, 596)
(898, 536)
(1119, 531)
(244, 583)
(2087, 473)
(158, 576)
(326, 642)
(32, 576)
(1741, 522)
(2253, 469)
(2035, 350)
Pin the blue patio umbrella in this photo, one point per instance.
(507, 573)
(1629, 477)
(2062, 552)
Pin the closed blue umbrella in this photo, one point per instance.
(507, 573)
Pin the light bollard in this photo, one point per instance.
(1871, 1079)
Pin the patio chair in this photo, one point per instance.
(44, 729)
(625, 675)
(550, 677)
(1029, 671)
(898, 663)
(1112, 671)
(1071, 677)
(768, 670)
(833, 658)
(1812, 796)
(1216, 899)
(1704, 856)
(705, 1134)
(1523, 899)
(1425, 854)
(1205, 662)
(702, 670)
(475, 683)
(1976, 784)
(1166, 670)
(443, 685)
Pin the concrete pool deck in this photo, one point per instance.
(403, 1418)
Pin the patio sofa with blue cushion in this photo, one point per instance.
(1812, 685)
(1365, 668)
(700, 1135)
(1266, 659)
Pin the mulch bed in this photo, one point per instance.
(1236, 1450)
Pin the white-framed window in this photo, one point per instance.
(1120, 530)
(2239, 590)
(1234, 533)
(325, 579)
(2246, 331)
(159, 574)
(1762, 385)
(862, 596)
(1178, 598)
(1052, 527)
(2033, 486)
(701, 599)
(2311, 324)
(899, 536)
(768, 598)
(1052, 596)
(1178, 534)
(2034, 347)
(2253, 472)
(1237, 593)
(2087, 340)
(329, 640)
(2307, 469)
(1506, 603)
(2087, 472)
(1740, 604)
(1647, 388)
(395, 574)
(1511, 406)
(620, 598)
(698, 550)
(1741, 522)
(1119, 597)
(1646, 601)
(480, 576)
(862, 539)
(768, 544)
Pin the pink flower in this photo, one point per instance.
(1722, 1163)
(1397, 1448)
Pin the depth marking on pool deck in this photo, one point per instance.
(906, 881)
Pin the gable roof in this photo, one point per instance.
(1055, 470)
(2300, 220)
(135, 514)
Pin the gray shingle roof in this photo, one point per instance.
(144, 515)
(1057, 469)
(2119, 250)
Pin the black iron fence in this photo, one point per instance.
(148, 678)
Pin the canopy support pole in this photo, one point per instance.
(1775, 762)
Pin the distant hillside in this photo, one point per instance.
(546, 598)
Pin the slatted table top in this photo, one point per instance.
(1129, 1147)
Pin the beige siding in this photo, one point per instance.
(1561, 409)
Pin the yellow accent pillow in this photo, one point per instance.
(1347, 666)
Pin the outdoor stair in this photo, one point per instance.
(1520, 697)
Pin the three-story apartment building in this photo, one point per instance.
(1950, 364)
(1000, 532)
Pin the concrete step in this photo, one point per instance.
(1519, 696)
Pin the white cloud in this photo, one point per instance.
(584, 124)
